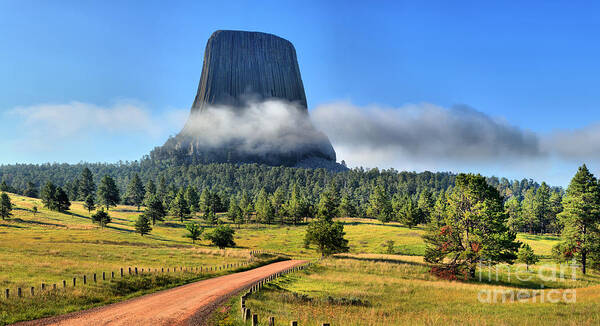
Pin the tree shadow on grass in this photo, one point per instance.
(381, 260)
(19, 220)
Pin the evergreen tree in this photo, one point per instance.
(410, 214)
(195, 231)
(61, 200)
(150, 191)
(108, 193)
(513, 209)
(135, 192)
(101, 217)
(34, 210)
(235, 212)
(180, 207)
(527, 256)
(347, 206)
(581, 217)
(87, 186)
(5, 206)
(155, 211)
(205, 201)
(328, 203)
(380, 206)
(555, 209)
(473, 230)
(528, 211)
(542, 208)
(31, 190)
(48, 196)
(439, 209)
(191, 196)
(426, 204)
(264, 208)
(89, 203)
(4, 187)
(327, 235)
(161, 189)
(142, 225)
(277, 201)
(222, 236)
(246, 206)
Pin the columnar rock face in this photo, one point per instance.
(241, 64)
(250, 107)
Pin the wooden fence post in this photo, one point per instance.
(74, 281)
(271, 321)
(129, 268)
(325, 324)
(54, 286)
(94, 277)
(64, 284)
(43, 286)
(121, 272)
(136, 272)
(246, 314)
(293, 323)
(32, 291)
(255, 320)
(84, 279)
(104, 276)
(7, 293)
(19, 294)
(112, 274)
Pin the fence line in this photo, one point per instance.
(131, 272)
(246, 313)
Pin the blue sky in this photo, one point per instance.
(532, 66)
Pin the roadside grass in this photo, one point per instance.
(60, 301)
(399, 290)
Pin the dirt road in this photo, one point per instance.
(183, 305)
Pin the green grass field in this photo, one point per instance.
(361, 288)
(399, 290)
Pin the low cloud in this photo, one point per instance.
(425, 132)
(576, 144)
(270, 126)
(81, 119)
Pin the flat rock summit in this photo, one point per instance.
(250, 108)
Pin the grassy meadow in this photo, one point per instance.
(398, 290)
(364, 287)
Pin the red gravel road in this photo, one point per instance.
(184, 305)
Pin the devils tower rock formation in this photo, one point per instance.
(250, 107)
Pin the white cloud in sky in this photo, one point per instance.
(80, 119)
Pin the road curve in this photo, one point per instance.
(184, 305)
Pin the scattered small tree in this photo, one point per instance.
(155, 211)
(87, 186)
(61, 198)
(142, 225)
(195, 231)
(527, 256)
(5, 206)
(108, 193)
(135, 192)
(101, 217)
(89, 203)
(328, 236)
(180, 207)
(388, 247)
(222, 236)
(34, 210)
